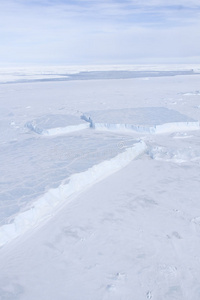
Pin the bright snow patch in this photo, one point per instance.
(50, 125)
(145, 119)
(45, 205)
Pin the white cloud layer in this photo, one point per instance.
(92, 32)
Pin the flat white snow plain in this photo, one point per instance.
(94, 214)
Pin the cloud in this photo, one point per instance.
(91, 31)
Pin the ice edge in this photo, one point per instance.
(157, 129)
(57, 130)
(45, 205)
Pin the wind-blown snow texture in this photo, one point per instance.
(134, 235)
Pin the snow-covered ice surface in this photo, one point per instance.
(145, 119)
(132, 235)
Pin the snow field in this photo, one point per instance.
(131, 241)
(134, 234)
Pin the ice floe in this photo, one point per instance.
(45, 205)
(50, 125)
(32, 165)
(143, 120)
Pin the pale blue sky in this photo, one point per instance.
(66, 32)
